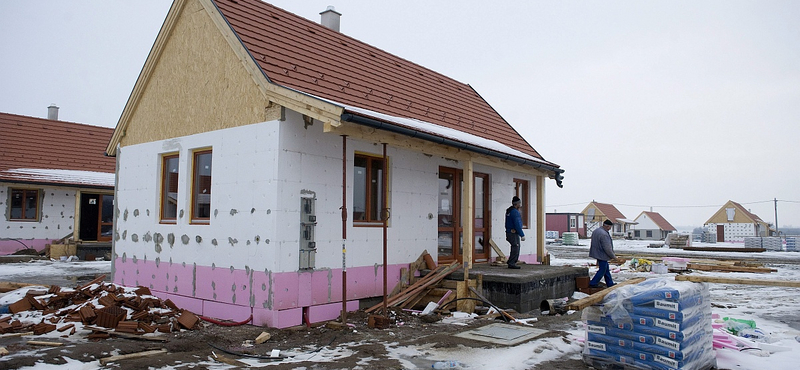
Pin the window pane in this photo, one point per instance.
(445, 200)
(479, 196)
(107, 215)
(16, 203)
(479, 243)
(360, 188)
(169, 197)
(445, 243)
(202, 185)
(376, 182)
(31, 200)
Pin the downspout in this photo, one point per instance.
(385, 216)
(348, 117)
(344, 229)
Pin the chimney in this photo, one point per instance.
(330, 18)
(52, 112)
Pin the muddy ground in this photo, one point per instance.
(196, 349)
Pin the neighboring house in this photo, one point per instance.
(54, 179)
(596, 213)
(566, 222)
(314, 138)
(651, 226)
(733, 223)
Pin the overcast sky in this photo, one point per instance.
(675, 105)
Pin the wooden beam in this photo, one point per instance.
(105, 361)
(724, 280)
(468, 213)
(498, 250)
(541, 251)
(598, 297)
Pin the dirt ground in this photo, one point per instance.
(196, 348)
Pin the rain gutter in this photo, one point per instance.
(348, 117)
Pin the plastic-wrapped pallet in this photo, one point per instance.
(791, 244)
(658, 324)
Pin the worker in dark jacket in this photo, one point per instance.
(602, 249)
(514, 231)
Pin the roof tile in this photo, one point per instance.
(297, 53)
(38, 143)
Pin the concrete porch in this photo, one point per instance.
(523, 290)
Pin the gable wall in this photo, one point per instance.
(645, 223)
(198, 85)
(57, 217)
(721, 216)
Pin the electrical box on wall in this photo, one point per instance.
(308, 221)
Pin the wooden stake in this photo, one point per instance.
(43, 343)
(105, 361)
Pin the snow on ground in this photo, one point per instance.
(774, 309)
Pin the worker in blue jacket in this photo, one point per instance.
(602, 249)
(514, 231)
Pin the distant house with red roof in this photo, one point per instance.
(55, 182)
(651, 226)
(732, 223)
(595, 213)
(258, 146)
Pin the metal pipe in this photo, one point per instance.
(348, 117)
(385, 216)
(344, 229)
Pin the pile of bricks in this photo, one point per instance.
(101, 307)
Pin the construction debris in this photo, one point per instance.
(104, 308)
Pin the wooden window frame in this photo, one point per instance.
(522, 189)
(371, 220)
(194, 218)
(165, 190)
(25, 193)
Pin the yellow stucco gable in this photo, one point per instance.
(200, 78)
(197, 84)
(739, 216)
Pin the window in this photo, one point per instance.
(367, 185)
(521, 189)
(573, 221)
(169, 188)
(649, 233)
(24, 205)
(201, 187)
(636, 233)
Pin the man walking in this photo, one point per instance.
(602, 249)
(514, 231)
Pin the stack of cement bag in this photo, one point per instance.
(658, 324)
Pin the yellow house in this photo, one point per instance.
(732, 223)
(595, 213)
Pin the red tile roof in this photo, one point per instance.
(752, 216)
(303, 55)
(610, 211)
(41, 144)
(660, 221)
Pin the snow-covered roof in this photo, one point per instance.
(67, 177)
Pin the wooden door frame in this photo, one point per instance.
(459, 214)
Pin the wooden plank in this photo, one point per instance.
(756, 270)
(106, 360)
(402, 283)
(498, 250)
(219, 357)
(43, 343)
(724, 280)
(598, 297)
(430, 279)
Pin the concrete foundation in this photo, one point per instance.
(523, 290)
